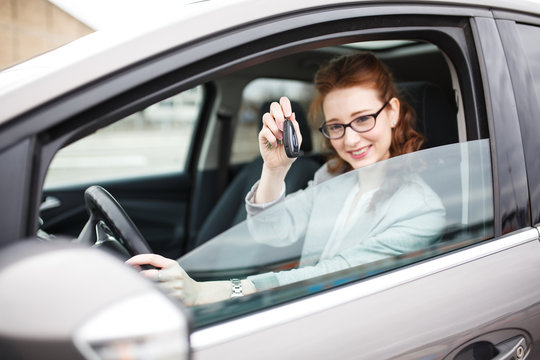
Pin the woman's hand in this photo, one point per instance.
(169, 276)
(271, 135)
(176, 282)
(276, 163)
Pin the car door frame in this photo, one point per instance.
(525, 97)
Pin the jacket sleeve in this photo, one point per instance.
(281, 223)
(253, 209)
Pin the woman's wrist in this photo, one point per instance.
(271, 184)
(213, 291)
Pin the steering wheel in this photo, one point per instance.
(109, 225)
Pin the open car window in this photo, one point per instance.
(153, 141)
(372, 220)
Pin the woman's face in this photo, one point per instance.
(361, 149)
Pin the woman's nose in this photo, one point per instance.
(351, 137)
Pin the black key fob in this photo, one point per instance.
(290, 141)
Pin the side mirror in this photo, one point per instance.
(60, 300)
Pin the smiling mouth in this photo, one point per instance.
(360, 152)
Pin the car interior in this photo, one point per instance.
(178, 210)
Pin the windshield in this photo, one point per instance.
(363, 222)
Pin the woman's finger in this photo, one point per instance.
(266, 137)
(286, 106)
(270, 123)
(151, 274)
(277, 114)
(150, 259)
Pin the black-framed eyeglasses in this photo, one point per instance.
(361, 124)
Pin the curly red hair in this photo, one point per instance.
(366, 70)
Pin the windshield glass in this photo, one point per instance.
(363, 222)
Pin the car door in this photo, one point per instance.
(475, 292)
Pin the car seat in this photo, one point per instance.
(230, 208)
(436, 114)
(436, 120)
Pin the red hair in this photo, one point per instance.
(365, 69)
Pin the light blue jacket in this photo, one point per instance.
(410, 218)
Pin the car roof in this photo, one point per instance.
(104, 52)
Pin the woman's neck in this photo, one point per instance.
(371, 177)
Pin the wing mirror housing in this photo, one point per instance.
(61, 300)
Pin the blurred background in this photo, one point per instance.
(31, 27)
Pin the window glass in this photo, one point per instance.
(529, 37)
(153, 141)
(379, 217)
(255, 101)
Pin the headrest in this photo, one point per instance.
(436, 113)
(302, 123)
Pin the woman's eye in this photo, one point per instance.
(362, 119)
(335, 127)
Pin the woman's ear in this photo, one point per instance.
(393, 111)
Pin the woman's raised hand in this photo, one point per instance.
(271, 135)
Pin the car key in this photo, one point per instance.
(290, 141)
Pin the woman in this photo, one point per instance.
(365, 122)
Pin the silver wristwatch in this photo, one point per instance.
(236, 288)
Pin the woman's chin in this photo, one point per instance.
(358, 164)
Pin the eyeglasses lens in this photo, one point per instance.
(362, 124)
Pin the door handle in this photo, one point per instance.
(511, 349)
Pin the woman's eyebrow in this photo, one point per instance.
(333, 120)
(351, 116)
(361, 112)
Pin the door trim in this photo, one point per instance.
(266, 319)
